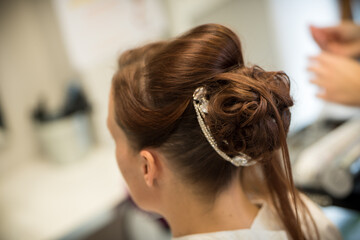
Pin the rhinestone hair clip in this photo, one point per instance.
(201, 107)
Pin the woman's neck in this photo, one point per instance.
(231, 210)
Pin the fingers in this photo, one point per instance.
(325, 94)
(350, 31)
(327, 97)
(317, 81)
(328, 94)
(324, 69)
(321, 68)
(318, 70)
(318, 36)
(322, 63)
(349, 49)
(322, 94)
(327, 60)
(338, 39)
(324, 36)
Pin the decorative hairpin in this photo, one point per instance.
(201, 103)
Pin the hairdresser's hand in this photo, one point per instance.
(338, 78)
(343, 39)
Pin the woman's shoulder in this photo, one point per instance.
(264, 226)
(269, 220)
(326, 228)
(250, 234)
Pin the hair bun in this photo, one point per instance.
(247, 108)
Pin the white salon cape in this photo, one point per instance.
(267, 226)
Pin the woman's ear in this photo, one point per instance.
(150, 167)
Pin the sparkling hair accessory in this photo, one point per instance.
(201, 107)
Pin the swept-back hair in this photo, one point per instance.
(248, 110)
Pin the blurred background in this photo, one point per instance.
(58, 175)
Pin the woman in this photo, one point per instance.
(201, 140)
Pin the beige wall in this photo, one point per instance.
(32, 64)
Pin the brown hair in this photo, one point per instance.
(248, 109)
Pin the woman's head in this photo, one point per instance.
(153, 92)
(248, 110)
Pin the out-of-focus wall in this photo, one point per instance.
(33, 66)
(96, 32)
(46, 44)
